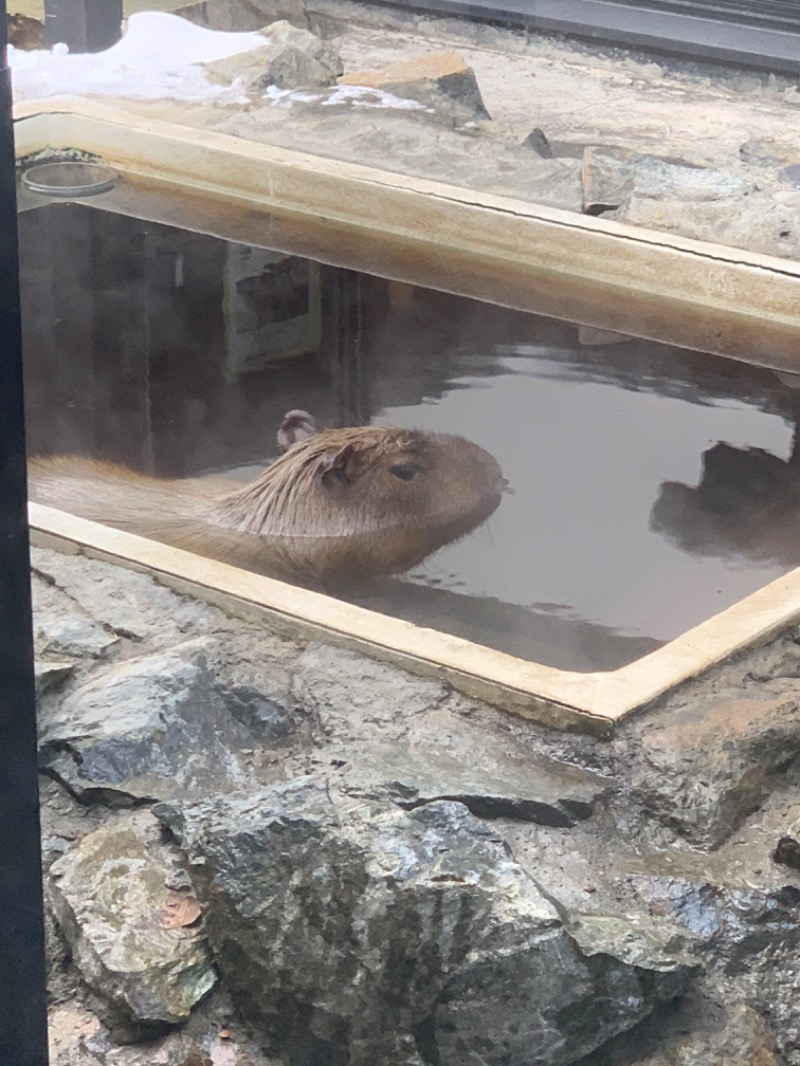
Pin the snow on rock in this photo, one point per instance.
(159, 56)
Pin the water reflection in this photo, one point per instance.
(177, 354)
(745, 508)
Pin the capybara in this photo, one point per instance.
(338, 506)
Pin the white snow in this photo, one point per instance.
(348, 95)
(159, 56)
(363, 96)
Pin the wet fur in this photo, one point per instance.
(327, 511)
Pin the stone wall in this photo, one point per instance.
(262, 853)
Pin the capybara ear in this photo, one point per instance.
(334, 466)
(296, 425)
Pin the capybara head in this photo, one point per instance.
(363, 501)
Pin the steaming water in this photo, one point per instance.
(177, 354)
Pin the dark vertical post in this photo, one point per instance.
(83, 25)
(23, 1017)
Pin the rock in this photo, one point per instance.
(651, 942)
(127, 603)
(660, 178)
(209, 1038)
(129, 930)
(435, 80)
(267, 719)
(791, 174)
(293, 58)
(743, 928)
(232, 16)
(150, 728)
(704, 766)
(742, 1039)
(538, 141)
(698, 1034)
(354, 696)
(68, 1024)
(50, 675)
(495, 785)
(607, 177)
(787, 850)
(768, 152)
(614, 177)
(404, 937)
(72, 634)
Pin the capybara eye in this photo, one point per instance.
(405, 471)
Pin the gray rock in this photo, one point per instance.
(152, 727)
(698, 1033)
(114, 902)
(72, 634)
(127, 603)
(292, 58)
(50, 675)
(266, 718)
(704, 766)
(767, 152)
(441, 81)
(615, 177)
(787, 850)
(607, 178)
(537, 140)
(741, 1038)
(354, 696)
(403, 937)
(491, 785)
(659, 178)
(736, 923)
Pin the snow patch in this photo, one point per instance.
(363, 96)
(159, 57)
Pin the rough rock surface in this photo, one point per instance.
(438, 80)
(341, 840)
(614, 177)
(134, 936)
(395, 930)
(734, 1037)
(129, 731)
(136, 608)
(742, 123)
(292, 58)
(711, 762)
(77, 1038)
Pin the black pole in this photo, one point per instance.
(23, 1013)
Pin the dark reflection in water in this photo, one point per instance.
(653, 487)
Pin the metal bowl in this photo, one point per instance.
(69, 179)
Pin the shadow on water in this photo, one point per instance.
(653, 486)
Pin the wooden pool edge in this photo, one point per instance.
(690, 293)
(594, 703)
(600, 273)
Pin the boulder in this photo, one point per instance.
(157, 726)
(408, 937)
(438, 80)
(705, 765)
(136, 939)
(292, 58)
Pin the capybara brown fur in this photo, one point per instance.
(339, 506)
